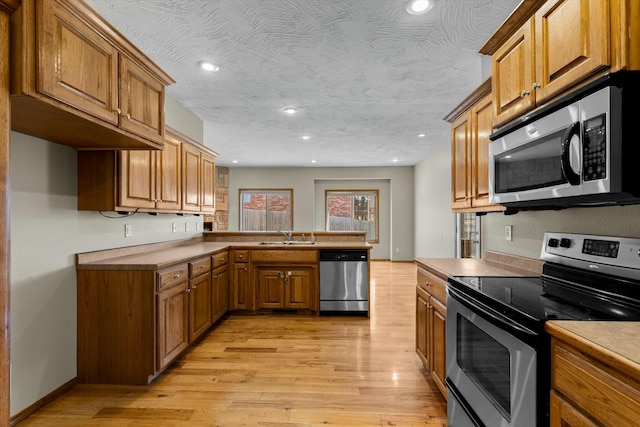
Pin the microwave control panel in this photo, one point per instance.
(594, 148)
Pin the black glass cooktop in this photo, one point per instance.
(522, 295)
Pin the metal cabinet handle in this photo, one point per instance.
(535, 86)
(127, 116)
(117, 111)
(188, 290)
(176, 276)
(524, 93)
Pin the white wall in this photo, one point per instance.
(529, 227)
(308, 184)
(435, 223)
(47, 231)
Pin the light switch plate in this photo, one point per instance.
(127, 230)
(174, 227)
(508, 233)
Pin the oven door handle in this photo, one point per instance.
(485, 311)
(565, 163)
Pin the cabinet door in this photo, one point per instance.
(137, 179)
(512, 76)
(563, 414)
(219, 293)
(241, 287)
(190, 178)
(270, 287)
(423, 323)
(460, 168)
(573, 40)
(173, 323)
(481, 119)
(438, 355)
(169, 175)
(141, 101)
(76, 65)
(199, 305)
(298, 285)
(208, 196)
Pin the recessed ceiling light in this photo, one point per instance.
(417, 7)
(313, 161)
(290, 110)
(395, 160)
(422, 135)
(305, 137)
(208, 66)
(234, 161)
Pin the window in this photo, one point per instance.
(266, 210)
(353, 210)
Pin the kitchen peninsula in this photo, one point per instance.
(140, 307)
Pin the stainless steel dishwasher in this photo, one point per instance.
(344, 281)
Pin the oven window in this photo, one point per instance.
(487, 363)
(536, 164)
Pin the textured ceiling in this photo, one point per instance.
(366, 76)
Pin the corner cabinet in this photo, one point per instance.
(591, 385)
(77, 81)
(431, 315)
(148, 180)
(470, 129)
(548, 47)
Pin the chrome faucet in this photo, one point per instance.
(287, 234)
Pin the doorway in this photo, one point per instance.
(468, 235)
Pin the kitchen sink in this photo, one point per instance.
(290, 242)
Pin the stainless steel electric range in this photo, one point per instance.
(498, 357)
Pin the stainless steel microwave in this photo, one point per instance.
(583, 149)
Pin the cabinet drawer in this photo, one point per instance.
(241, 256)
(433, 285)
(220, 259)
(288, 255)
(602, 393)
(199, 267)
(172, 276)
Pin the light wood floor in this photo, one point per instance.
(282, 370)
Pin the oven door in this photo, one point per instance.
(541, 160)
(489, 369)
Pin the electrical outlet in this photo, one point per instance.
(127, 230)
(174, 227)
(508, 233)
(197, 226)
(397, 250)
(186, 226)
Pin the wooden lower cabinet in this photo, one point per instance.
(173, 323)
(588, 391)
(219, 293)
(133, 323)
(431, 322)
(285, 286)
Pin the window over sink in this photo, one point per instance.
(266, 209)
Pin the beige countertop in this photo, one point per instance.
(494, 264)
(164, 255)
(612, 342)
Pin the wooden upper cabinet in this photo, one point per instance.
(481, 126)
(137, 179)
(191, 178)
(141, 101)
(460, 162)
(169, 174)
(512, 75)
(77, 81)
(149, 180)
(555, 45)
(76, 64)
(572, 42)
(198, 185)
(471, 125)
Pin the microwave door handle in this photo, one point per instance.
(572, 177)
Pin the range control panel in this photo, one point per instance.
(603, 253)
